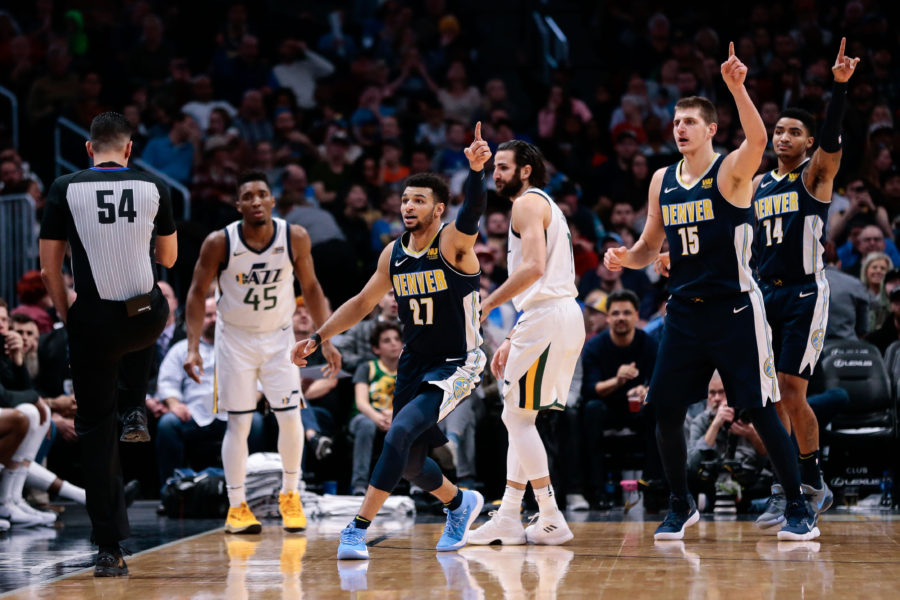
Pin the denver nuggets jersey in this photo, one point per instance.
(440, 308)
(710, 239)
(256, 288)
(790, 227)
(558, 280)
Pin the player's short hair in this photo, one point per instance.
(432, 181)
(109, 131)
(248, 176)
(381, 327)
(809, 121)
(707, 108)
(623, 296)
(528, 154)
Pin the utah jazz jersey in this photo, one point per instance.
(256, 287)
(440, 308)
(710, 239)
(558, 280)
(790, 228)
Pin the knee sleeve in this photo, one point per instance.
(421, 470)
(30, 445)
(234, 448)
(290, 439)
(524, 441)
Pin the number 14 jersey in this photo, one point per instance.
(256, 287)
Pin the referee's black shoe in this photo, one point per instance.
(134, 426)
(110, 562)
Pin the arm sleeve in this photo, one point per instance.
(473, 205)
(53, 225)
(165, 220)
(830, 136)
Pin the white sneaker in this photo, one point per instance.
(499, 529)
(18, 516)
(549, 531)
(576, 502)
(4, 525)
(47, 517)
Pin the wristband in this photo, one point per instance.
(316, 338)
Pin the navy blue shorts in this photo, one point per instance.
(413, 373)
(798, 315)
(729, 334)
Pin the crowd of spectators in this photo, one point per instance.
(339, 107)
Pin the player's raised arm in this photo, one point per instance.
(741, 165)
(350, 312)
(646, 249)
(462, 234)
(826, 160)
(213, 253)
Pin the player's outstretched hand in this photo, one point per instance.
(844, 66)
(662, 264)
(301, 350)
(734, 72)
(478, 151)
(332, 360)
(614, 259)
(193, 365)
(498, 362)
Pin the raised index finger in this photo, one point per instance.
(478, 130)
(840, 56)
(730, 49)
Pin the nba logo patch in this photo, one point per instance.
(817, 339)
(461, 388)
(278, 250)
(793, 176)
(707, 183)
(769, 367)
(432, 253)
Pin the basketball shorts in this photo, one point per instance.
(728, 333)
(798, 315)
(544, 350)
(244, 357)
(455, 377)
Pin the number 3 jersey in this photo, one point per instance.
(710, 239)
(256, 287)
(440, 307)
(790, 228)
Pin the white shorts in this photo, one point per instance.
(245, 357)
(545, 346)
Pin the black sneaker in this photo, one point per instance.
(110, 562)
(134, 426)
(322, 446)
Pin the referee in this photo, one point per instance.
(107, 215)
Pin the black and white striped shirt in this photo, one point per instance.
(108, 214)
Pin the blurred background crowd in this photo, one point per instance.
(338, 102)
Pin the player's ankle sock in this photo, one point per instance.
(236, 496)
(361, 523)
(546, 499)
(511, 504)
(456, 502)
(289, 481)
(72, 492)
(809, 469)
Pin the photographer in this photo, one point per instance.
(720, 439)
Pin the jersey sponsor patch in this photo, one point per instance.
(432, 253)
(707, 183)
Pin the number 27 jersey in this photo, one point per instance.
(256, 288)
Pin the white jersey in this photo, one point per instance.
(256, 289)
(558, 280)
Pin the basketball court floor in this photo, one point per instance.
(858, 556)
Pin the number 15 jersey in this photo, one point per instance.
(710, 239)
(256, 287)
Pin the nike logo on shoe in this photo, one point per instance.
(806, 295)
(737, 310)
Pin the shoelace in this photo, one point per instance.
(291, 508)
(455, 522)
(672, 519)
(352, 536)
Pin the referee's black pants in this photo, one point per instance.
(110, 354)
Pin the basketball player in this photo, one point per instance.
(536, 360)
(435, 275)
(791, 205)
(253, 262)
(716, 316)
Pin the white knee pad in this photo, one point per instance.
(234, 449)
(37, 431)
(290, 439)
(530, 460)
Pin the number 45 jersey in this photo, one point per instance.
(256, 287)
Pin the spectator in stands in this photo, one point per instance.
(870, 239)
(392, 171)
(560, 104)
(298, 70)
(234, 75)
(264, 160)
(189, 420)
(848, 309)
(874, 267)
(459, 99)
(887, 334)
(35, 301)
(356, 222)
(433, 129)
(615, 172)
(289, 142)
(373, 383)
(596, 320)
(149, 60)
(329, 175)
(176, 153)
(56, 89)
(13, 372)
(450, 159)
(861, 208)
(202, 102)
(214, 183)
(390, 225)
(420, 159)
(26, 327)
(890, 187)
(617, 367)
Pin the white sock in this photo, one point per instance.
(30, 445)
(72, 492)
(18, 483)
(290, 448)
(511, 504)
(234, 456)
(7, 481)
(546, 499)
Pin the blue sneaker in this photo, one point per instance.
(353, 544)
(800, 522)
(682, 514)
(456, 530)
(820, 499)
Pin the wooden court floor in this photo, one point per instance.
(856, 557)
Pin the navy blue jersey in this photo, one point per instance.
(710, 239)
(790, 229)
(439, 307)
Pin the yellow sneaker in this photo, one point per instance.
(241, 520)
(292, 516)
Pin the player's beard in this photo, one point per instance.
(209, 331)
(421, 223)
(511, 188)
